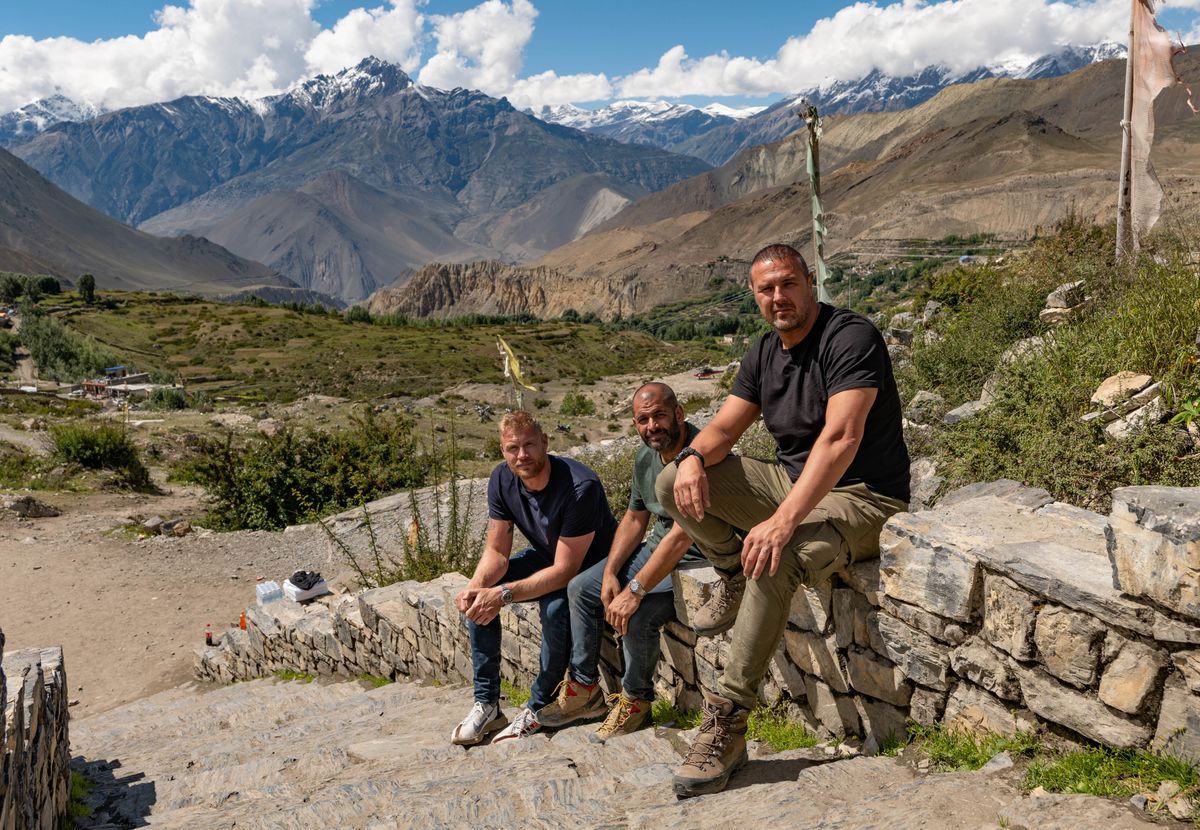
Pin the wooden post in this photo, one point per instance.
(813, 122)
(1126, 234)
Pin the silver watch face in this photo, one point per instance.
(636, 587)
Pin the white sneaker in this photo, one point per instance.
(523, 725)
(483, 719)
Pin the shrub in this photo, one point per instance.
(164, 398)
(60, 353)
(101, 447)
(275, 481)
(576, 404)
(615, 470)
(8, 351)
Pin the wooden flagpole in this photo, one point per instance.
(1126, 233)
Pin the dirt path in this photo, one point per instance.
(26, 370)
(128, 612)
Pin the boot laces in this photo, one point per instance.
(703, 753)
(618, 714)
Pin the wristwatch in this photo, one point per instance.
(506, 597)
(636, 588)
(687, 451)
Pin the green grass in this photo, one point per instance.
(958, 750)
(1032, 432)
(1110, 772)
(276, 353)
(771, 725)
(768, 724)
(514, 694)
(375, 680)
(80, 788)
(289, 675)
(101, 447)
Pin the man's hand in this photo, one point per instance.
(485, 606)
(763, 547)
(621, 609)
(609, 589)
(465, 597)
(691, 488)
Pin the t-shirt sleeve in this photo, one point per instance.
(855, 358)
(497, 509)
(584, 514)
(637, 500)
(745, 383)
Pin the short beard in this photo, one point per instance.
(672, 435)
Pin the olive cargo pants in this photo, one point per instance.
(843, 528)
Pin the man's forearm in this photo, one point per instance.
(489, 571)
(540, 583)
(714, 443)
(664, 559)
(629, 535)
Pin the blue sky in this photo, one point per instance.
(125, 52)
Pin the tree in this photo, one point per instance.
(10, 288)
(47, 284)
(87, 288)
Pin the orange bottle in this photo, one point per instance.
(242, 622)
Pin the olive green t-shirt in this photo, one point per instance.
(646, 467)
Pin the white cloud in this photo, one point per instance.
(897, 38)
(389, 34)
(257, 47)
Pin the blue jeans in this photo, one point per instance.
(556, 638)
(640, 645)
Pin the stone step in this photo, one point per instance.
(269, 754)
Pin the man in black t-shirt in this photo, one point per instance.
(559, 505)
(822, 381)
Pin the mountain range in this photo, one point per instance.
(46, 231)
(348, 181)
(1001, 155)
(704, 133)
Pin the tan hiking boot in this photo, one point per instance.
(717, 751)
(573, 701)
(718, 614)
(626, 715)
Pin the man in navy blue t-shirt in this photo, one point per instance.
(559, 505)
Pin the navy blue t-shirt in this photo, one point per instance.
(571, 504)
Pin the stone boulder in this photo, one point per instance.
(27, 507)
(924, 407)
(1154, 545)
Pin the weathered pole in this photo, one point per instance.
(813, 122)
(1127, 241)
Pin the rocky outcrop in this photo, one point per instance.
(491, 287)
(35, 754)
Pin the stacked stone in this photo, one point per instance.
(35, 775)
(997, 610)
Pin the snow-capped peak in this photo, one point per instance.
(371, 76)
(44, 113)
(736, 113)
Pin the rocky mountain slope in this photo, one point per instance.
(44, 230)
(657, 123)
(877, 92)
(395, 173)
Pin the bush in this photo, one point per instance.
(8, 351)
(615, 470)
(272, 482)
(60, 353)
(101, 447)
(576, 404)
(165, 398)
(1032, 431)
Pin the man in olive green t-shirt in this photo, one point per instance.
(631, 589)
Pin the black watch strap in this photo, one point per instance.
(688, 451)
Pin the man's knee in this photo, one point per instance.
(664, 489)
(577, 588)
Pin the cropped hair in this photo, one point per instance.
(518, 421)
(661, 390)
(780, 252)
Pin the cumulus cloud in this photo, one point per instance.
(391, 34)
(258, 47)
(897, 38)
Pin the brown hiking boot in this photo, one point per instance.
(717, 751)
(573, 701)
(628, 714)
(718, 614)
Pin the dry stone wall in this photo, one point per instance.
(1001, 609)
(35, 776)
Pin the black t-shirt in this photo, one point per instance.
(571, 504)
(792, 387)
